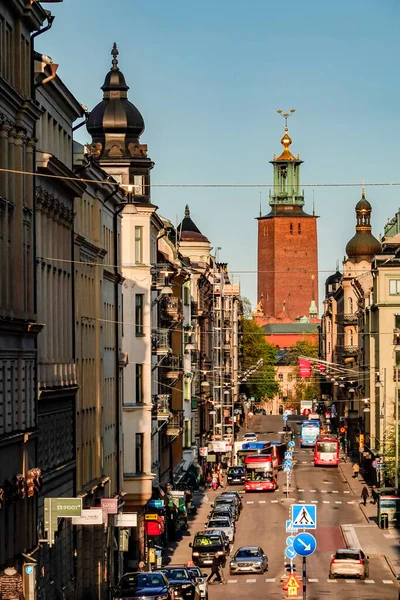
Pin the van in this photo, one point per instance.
(205, 545)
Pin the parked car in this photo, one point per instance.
(223, 524)
(201, 579)
(349, 562)
(183, 583)
(250, 437)
(144, 585)
(235, 475)
(204, 546)
(223, 501)
(249, 559)
(236, 496)
(224, 511)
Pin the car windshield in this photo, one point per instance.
(174, 574)
(141, 580)
(347, 555)
(207, 540)
(228, 501)
(247, 553)
(326, 447)
(235, 471)
(216, 523)
(195, 571)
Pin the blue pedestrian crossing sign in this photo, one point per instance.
(290, 528)
(288, 455)
(304, 544)
(290, 552)
(304, 516)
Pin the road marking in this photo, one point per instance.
(304, 462)
(387, 581)
(299, 490)
(350, 502)
(346, 492)
(301, 501)
(232, 580)
(250, 502)
(274, 501)
(350, 580)
(251, 580)
(338, 502)
(270, 580)
(324, 491)
(314, 501)
(313, 580)
(331, 581)
(263, 501)
(326, 501)
(335, 492)
(369, 581)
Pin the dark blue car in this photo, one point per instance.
(150, 585)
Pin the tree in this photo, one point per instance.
(247, 309)
(260, 384)
(304, 389)
(301, 348)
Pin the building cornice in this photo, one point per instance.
(48, 164)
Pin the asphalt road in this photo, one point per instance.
(262, 523)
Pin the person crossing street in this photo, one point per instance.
(216, 570)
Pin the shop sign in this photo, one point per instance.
(125, 520)
(203, 451)
(110, 505)
(155, 503)
(89, 517)
(151, 517)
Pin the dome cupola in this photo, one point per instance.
(363, 245)
(188, 230)
(115, 124)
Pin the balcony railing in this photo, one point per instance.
(194, 309)
(175, 423)
(171, 308)
(160, 341)
(394, 373)
(347, 319)
(349, 350)
(161, 406)
(173, 366)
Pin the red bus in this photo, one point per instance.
(260, 473)
(326, 452)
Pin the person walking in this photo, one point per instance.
(216, 570)
(11, 587)
(364, 495)
(356, 470)
(374, 494)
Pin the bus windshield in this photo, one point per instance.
(327, 447)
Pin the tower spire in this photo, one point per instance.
(114, 54)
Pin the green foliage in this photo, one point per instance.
(262, 383)
(389, 455)
(304, 390)
(301, 348)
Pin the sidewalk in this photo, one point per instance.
(371, 539)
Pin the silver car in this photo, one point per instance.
(201, 579)
(349, 562)
(223, 524)
(249, 559)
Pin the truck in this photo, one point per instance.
(306, 407)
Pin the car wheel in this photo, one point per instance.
(331, 576)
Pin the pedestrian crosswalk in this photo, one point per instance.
(301, 501)
(318, 580)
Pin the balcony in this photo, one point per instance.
(194, 309)
(175, 423)
(161, 406)
(160, 342)
(349, 351)
(347, 319)
(398, 373)
(173, 366)
(171, 308)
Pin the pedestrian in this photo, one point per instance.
(215, 481)
(364, 494)
(216, 570)
(374, 494)
(356, 470)
(11, 587)
(141, 566)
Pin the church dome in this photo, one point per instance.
(188, 230)
(363, 245)
(334, 279)
(115, 122)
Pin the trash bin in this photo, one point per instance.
(384, 521)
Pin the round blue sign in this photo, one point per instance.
(290, 540)
(291, 444)
(304, 544)
(28, 569)
(290, 552)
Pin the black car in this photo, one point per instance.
(206, 544)
(152, 586)
(235, 475)
(182, 582)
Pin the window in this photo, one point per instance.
(139, 452)
(186, 295)
(299, 228)
(291, 228)
(138, 182)
(329, 347)
(139, 300)
(280, 377)
(351, 306)
(139, 384)
(138, 245)
(397, 321)
(350, 338)
(394, 287)
(397, 353)
(290, 377)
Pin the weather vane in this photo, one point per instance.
(286, 115)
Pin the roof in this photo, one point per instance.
(188, 230)
(290, 327)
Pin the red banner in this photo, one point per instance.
(321, 369)
(304, 367)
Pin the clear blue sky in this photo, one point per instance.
(208, 77)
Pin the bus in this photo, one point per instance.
(309, 432)
(326, 452)
(250, 448)
(260, 473)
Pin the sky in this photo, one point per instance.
(208, 78)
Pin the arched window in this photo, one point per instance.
(350, 305)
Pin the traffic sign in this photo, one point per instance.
(286, 469)
(29, 569)
(288, 455)
(375, 463)
(291, 444)
(304, 544)
(289, 540)
(287, 463)
(285, 418)
(304, 516)
(290, 528)
(292, 582)
(290, 552)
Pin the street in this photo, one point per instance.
(262, 523)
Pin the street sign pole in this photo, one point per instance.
(304, 578)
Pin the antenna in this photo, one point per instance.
(286, 115)
(260, 206)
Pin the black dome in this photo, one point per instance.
(363, 245)
(115, 116)
(334, 278)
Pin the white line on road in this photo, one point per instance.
(314, 501)
(350, 580)
(313, 490)
(335, 492)
(324, 491)
(261, 501)
(338, 502)
(304, 462)
(326, 501)
(251, 580)
(232, 580)
(369, 581)
(313, 580)
(350, 502)
(331, 581)
(270, 580)
(346, 492)
(301, 501)
(299, 490)
(387, 581)
(249, 502)
(274, 501)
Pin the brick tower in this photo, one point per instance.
(287, 245)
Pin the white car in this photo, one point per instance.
(201, 579)
(223, 524)
(250, 437)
